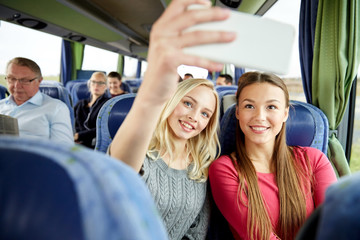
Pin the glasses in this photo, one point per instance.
(97, 82)
(22, 81)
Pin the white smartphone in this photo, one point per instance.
(260, 44)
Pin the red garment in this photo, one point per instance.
(224, 186)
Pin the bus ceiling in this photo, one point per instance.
(120, 26)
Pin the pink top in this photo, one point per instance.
(224, 186)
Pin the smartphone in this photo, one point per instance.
(261, 44)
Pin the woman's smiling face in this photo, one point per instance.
(193, 113)
(261, 112)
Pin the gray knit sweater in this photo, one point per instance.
(182, 202)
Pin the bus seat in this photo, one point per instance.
(339, 215)
(69, 85)
(228, 100)
(126, 87)
(222, 94)
(134, 84)
(306, 126)
(110, 117)
(58, 91)
(79, 92)
(86, 74)
(220, 88)
(56, 191)
(52, 82)
(3, 92)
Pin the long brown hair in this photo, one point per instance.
(290, 176)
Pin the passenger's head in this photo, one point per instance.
(23, 77)
(224, 79)
(114, 82)
(187, 76)
(262, 107)
(97, 84)
(191, 116)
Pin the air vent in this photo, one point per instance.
(32, 23)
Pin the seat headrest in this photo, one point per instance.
(79, 92)
(118, 113)
(57, 191)
(69, 85)
(51, 91)
(339, 217)
(306, 126)
(110, 117)
(3, 92)
(220, 88)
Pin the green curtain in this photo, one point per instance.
(77, 50)
(120, 65)
(335, 64)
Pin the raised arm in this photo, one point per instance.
(164, 56)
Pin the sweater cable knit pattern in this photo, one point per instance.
(182, 202)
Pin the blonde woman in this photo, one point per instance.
(170, 133)
(86, 110)
(181, 149)
(266, 189)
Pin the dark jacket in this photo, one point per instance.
(85, 120)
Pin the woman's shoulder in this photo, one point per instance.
(314, 155)
(222, 162)
(310, 151)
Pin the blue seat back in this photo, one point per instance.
(3, 92)
(86, 74)
(79, 92)
(55, 191)
(307, 125)
(110, 118)
(220, 88)
(69, 85)
(134, 84)
(338, 217)
(126, 87)
(58, 91)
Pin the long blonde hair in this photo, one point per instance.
(291, 176)
(203, 148)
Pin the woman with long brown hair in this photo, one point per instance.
(266, 189)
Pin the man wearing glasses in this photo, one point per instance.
(38, 115)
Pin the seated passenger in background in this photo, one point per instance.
(114, 82)
(266, 189)
(38, 115)
(187, 76)
(224, 79)
(86, 110)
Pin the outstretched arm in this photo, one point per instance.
(164, 56)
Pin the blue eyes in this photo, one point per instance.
(189, 104)
(205, 114)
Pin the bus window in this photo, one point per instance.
(99, 59)
(144, 65)
(130, 67)
(195, 71)
(355, 148)
(43, 48)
